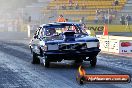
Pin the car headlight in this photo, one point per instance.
(45, 48)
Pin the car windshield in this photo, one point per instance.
(57, 29)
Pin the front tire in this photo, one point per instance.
(35, 60)
(93, 61)
(46, 62)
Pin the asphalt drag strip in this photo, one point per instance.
(16, 58)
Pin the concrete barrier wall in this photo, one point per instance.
(115, 44)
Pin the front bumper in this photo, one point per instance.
(72, 54)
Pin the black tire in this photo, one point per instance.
(35, 60)
(41, 52)
(93, 61)
(46, 62)
(78, 61)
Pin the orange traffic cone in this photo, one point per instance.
(105, 32)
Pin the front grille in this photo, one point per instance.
(78, 46)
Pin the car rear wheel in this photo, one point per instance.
(46, 62)
(93, 61)
(35, 60)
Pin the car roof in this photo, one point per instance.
(60, 23)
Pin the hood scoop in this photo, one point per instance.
(69, 36)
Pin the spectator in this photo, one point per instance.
(70, 1)
(76, 6)
(103, 18)
(116, 2)
(61, 19)
(128, 19)
(110, 19)
(63, 7)
(70, 6)
(96, 19)
(110, 11)
(82, 20)
(122, 19)
(106, 18)
(97, 12)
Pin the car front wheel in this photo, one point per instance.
(93, 61)
(35, 60)
(46, 62)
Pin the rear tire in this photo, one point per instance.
(93, 61)
(35, 60)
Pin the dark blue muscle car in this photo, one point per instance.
(63, 41)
